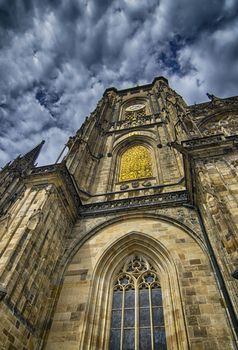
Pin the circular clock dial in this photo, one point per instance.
(134, 108)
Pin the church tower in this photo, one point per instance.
(130, 242)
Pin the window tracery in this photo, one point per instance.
(134, 112)
(227, 125)
(137, 312)
(136, 163)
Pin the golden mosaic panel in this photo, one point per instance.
(136, 163)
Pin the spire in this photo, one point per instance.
(25, 162)
(30, 157)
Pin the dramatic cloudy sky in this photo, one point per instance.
(58, 56)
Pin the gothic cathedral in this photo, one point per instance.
(130, 242)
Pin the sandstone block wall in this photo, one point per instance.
(32, 244)
(204, 314)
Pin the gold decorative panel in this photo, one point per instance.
(136, 163)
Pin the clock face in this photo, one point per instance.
(134, 108)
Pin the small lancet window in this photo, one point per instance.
(136, 163)
(137, 321)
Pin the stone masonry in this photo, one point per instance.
(66, 228)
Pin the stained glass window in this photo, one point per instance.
(136, 163)
(137, 321)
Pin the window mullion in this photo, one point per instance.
(136, 316)
(151, 320)
(122, 317)
(138, 284)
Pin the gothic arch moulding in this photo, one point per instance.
(125, 140)
(96, 329)
(220, 123)
(169, 219)
(83, 314)
(166, 218)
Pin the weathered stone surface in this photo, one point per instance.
(65, 229)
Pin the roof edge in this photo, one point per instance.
(137, 87)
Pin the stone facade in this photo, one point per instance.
(66, 229)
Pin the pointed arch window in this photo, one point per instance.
(137, 321)
(136, 163)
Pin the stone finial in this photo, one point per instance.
(212, 97)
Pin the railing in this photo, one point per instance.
(158, 200)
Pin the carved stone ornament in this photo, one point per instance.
(124, 187)
(226, 125)
(34, 219)
(39, 187)
(234, 163)
(3, 292)
(157, 200)
(135, 112)
(210, 96)
(6, 220)
(146, 184)
(135, 184)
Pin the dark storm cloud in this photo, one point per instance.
(57, 57)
